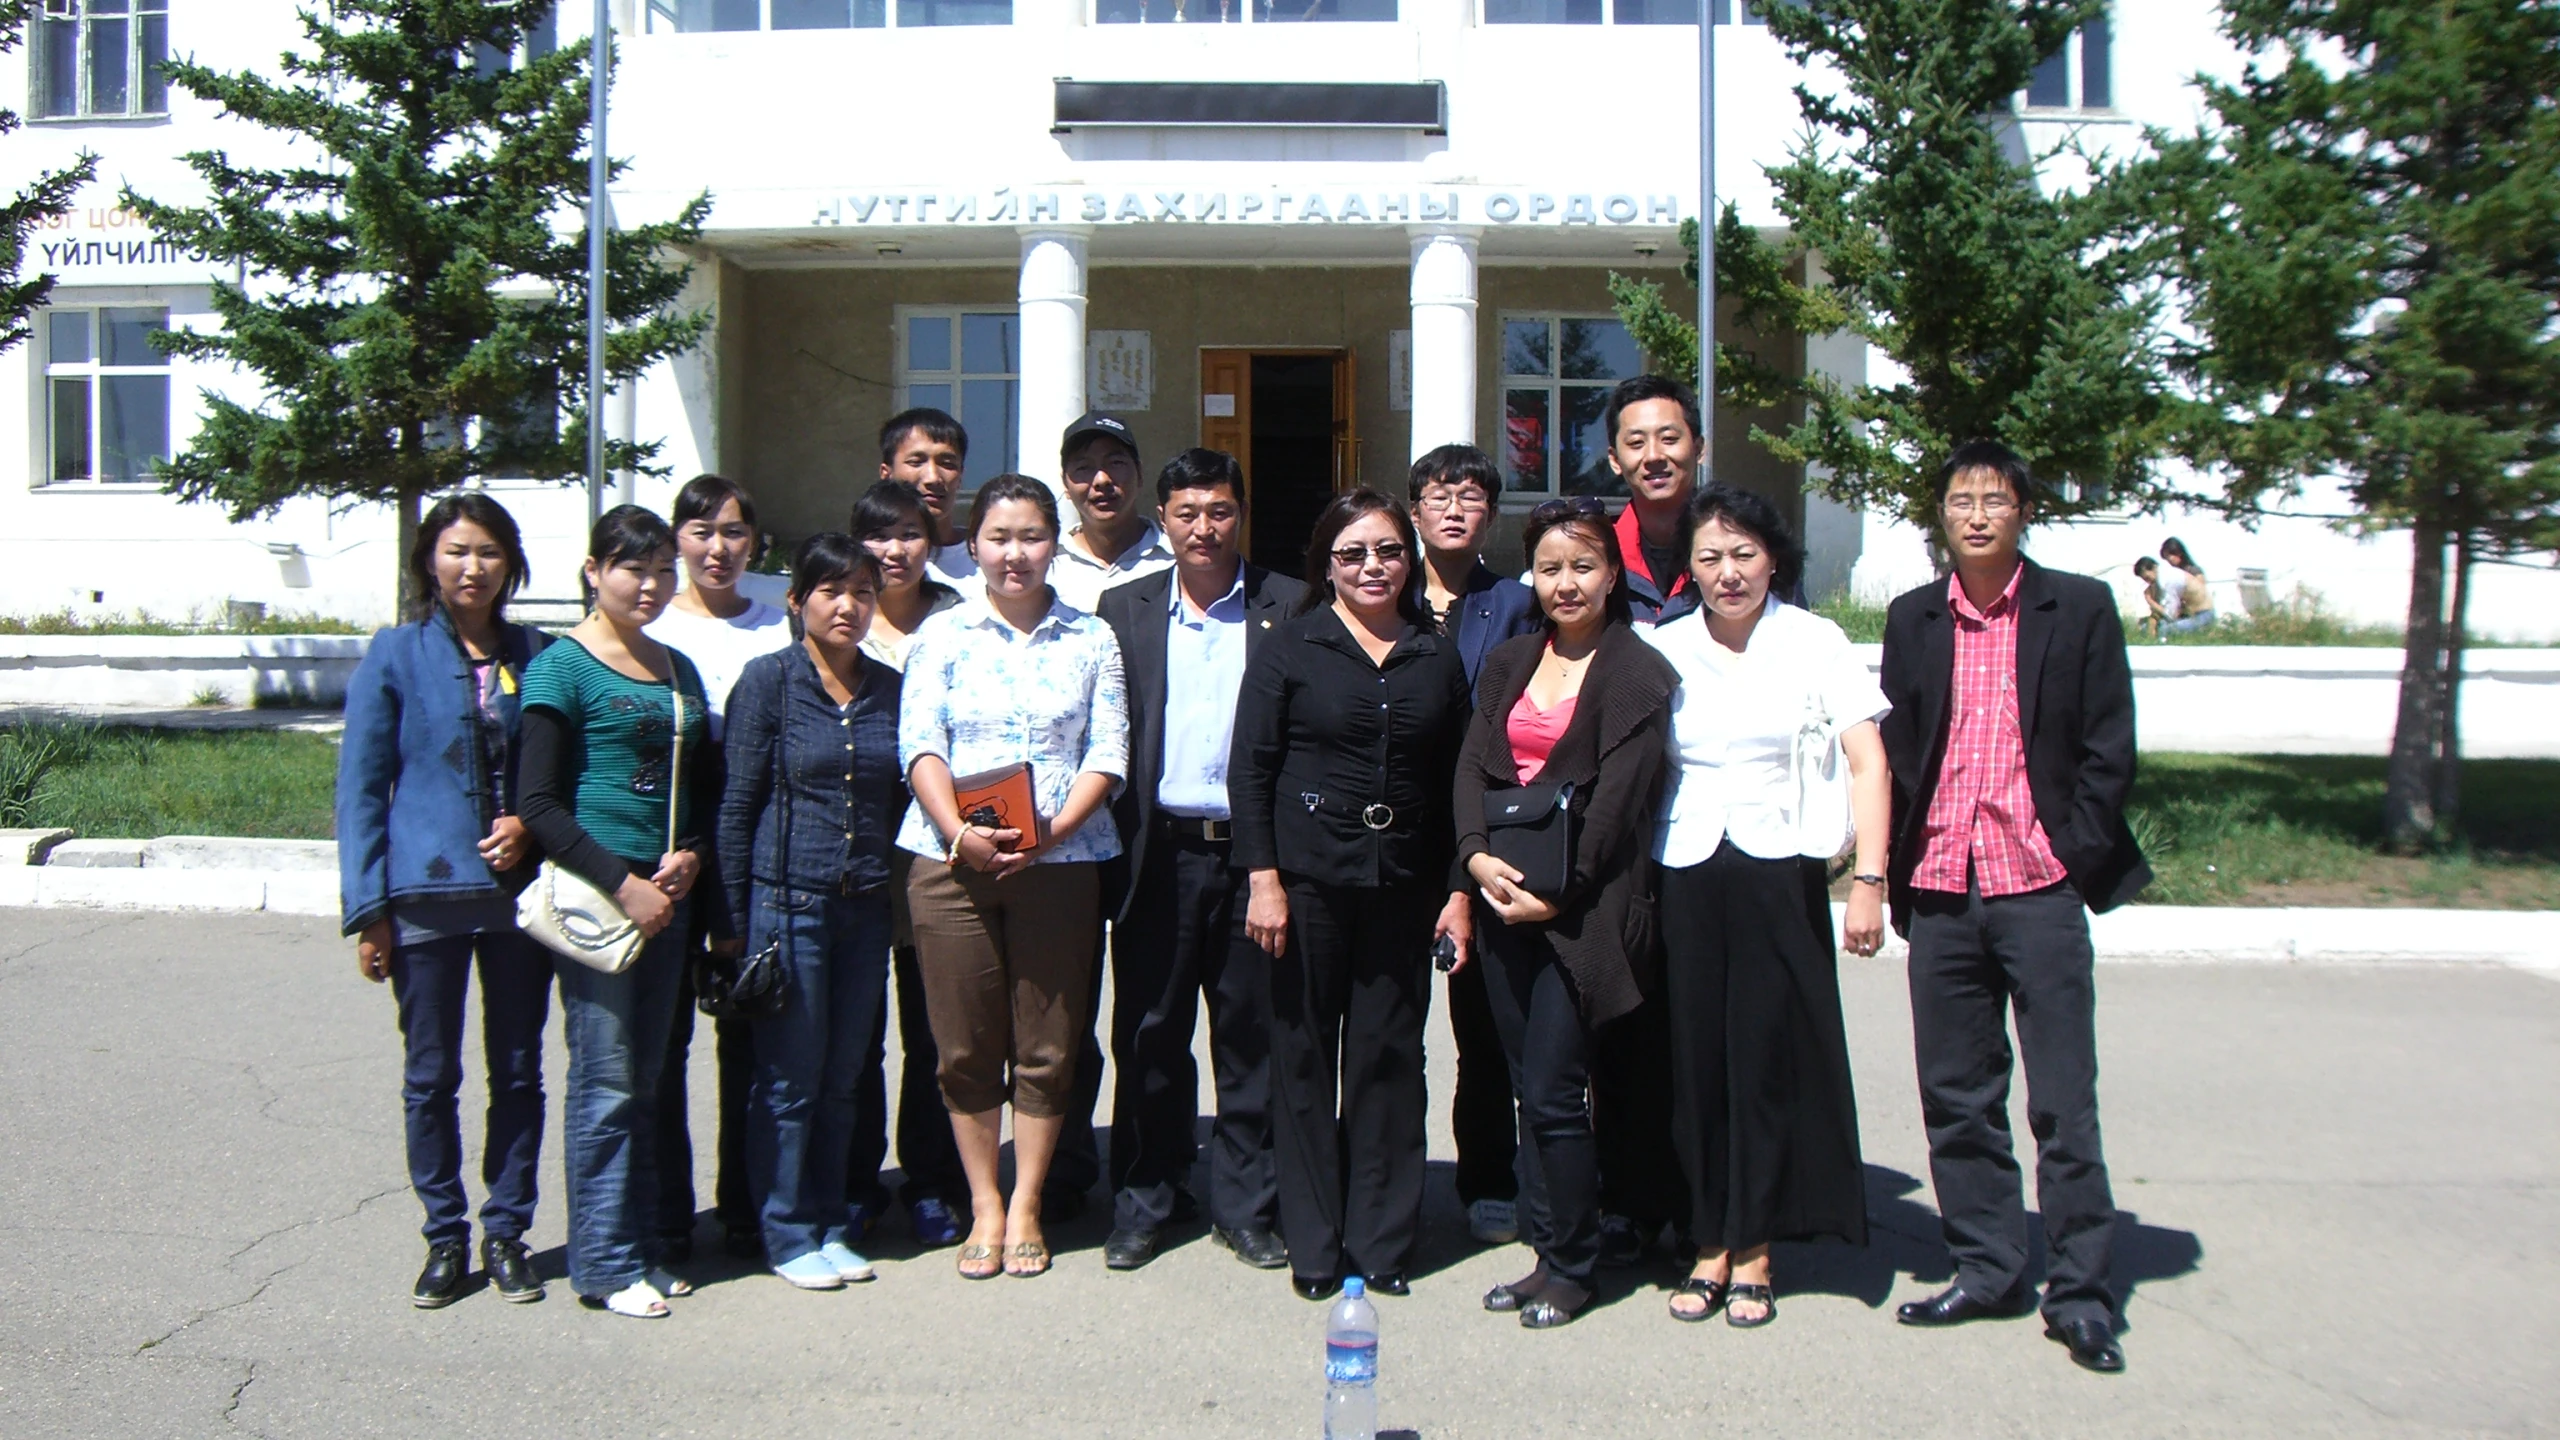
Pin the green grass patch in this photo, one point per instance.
(127, 783)
(2307, 830)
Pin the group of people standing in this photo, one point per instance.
(1288, 798)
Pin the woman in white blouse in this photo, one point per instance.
(1005, 916)
(1776, 768)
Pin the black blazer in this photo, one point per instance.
(1616, 751)
(1317, 719)
(2075, 712)
(1493, 609)
(1137, 613)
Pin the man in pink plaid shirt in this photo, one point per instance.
(2012, 746)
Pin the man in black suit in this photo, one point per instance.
(1177, 905)
(2012, 746)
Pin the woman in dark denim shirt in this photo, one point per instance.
(806, 860)
(430, 855)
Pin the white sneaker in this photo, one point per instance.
(1493, 1222)
(813, 1271)
(850, 1266)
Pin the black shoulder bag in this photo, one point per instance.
(1531, 829)
(753, 985)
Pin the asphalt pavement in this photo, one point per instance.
(2338, 1187)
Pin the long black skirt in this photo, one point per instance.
(1763, 1116)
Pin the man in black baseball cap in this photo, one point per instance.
(1110, 540)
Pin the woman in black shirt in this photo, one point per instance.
(1347, 732)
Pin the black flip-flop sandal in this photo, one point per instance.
(1760, 1295)
(1712, 1291)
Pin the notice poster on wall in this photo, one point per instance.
(1400, 370)
(1119, 370)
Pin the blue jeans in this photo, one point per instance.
(430, 983)
(809, 1059)
(617, 1027)
(2189, 624)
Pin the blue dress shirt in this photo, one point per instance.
(1203, 670)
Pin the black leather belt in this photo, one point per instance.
(1196, 827)
(1376, 816)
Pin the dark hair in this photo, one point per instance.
(702, 497)
(1640, 388)
(937, 425)
(480, 510)
(2146, 563)
(1587, 520)
(1012, 487)
(1751, 513)
(2186, 558)
(1453, 466)
(1335, 518)
(1988, 455)
(1200, 468)
(830, 556)
(625, 532)
(884, 505)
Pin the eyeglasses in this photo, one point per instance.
(1465, 503)
(1356, 556)
(1995, 504)
(1551, 511)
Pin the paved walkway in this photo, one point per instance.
(2340, 1189)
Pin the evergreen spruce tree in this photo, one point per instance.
(1915, 226)
(2368, 235)
(385, 312)
(21, 213)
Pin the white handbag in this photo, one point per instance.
(1825, 823)
(565, 912)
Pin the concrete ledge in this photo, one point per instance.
(29, 847)
(2241, 935)
(185, 891)
(96, 855)
(225, 852)
(172, 670)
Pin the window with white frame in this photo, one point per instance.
(2079, 76)
(106, 394)
(967, 362)
(1621, 12)
(693, 16)
(1557, 371)
(100, 58)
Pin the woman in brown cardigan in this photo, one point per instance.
(1585, 702)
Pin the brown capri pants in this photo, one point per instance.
(1006, 964)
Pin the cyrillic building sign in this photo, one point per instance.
(1323, 205)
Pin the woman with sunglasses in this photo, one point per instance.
(1583, 705)
(1347, 732)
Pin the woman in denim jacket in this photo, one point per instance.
(814, 793)
(430, 856)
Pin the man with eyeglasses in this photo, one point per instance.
(1452, 490)
(2011, 741)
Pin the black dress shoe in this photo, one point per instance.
(1128, 1249)
(1952, 1306)
(1555, 1305)
(1504, 1299)
(1391, 1283)
(510, 1270)
(1254, 1245)
(440, 1283)
(1314, 1287)
(1621, 1242)
(2092, 1344)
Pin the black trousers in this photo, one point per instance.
(1972, 961)
(1184, 938)
(1631, 1119)
(1482, 1107)
(732, 1196)
(1548, 1050)
(1349, 996)
(1763, 1115)
(1077, 1166)
(927, 1154)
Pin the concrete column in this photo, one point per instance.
(1444, 336)
(1052, 298)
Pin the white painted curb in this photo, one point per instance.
(283, 892)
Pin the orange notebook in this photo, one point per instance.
(1000, 799)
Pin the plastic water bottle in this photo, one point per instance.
(1351, 1365)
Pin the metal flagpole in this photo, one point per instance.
(1707, 235)
(600, 74)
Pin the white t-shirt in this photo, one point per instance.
(1080, 579)
(952, 564)
(1735, 721)
(720, 649)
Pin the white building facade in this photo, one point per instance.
(1326, 235)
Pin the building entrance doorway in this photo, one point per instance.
(1285, 413)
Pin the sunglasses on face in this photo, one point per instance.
(1354, 556)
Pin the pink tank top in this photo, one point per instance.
(1534, 733)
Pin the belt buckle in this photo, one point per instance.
(1378, 816)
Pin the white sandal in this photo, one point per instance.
(640, 1300)
(669, 1283)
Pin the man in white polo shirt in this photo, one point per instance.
(1110, 540)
